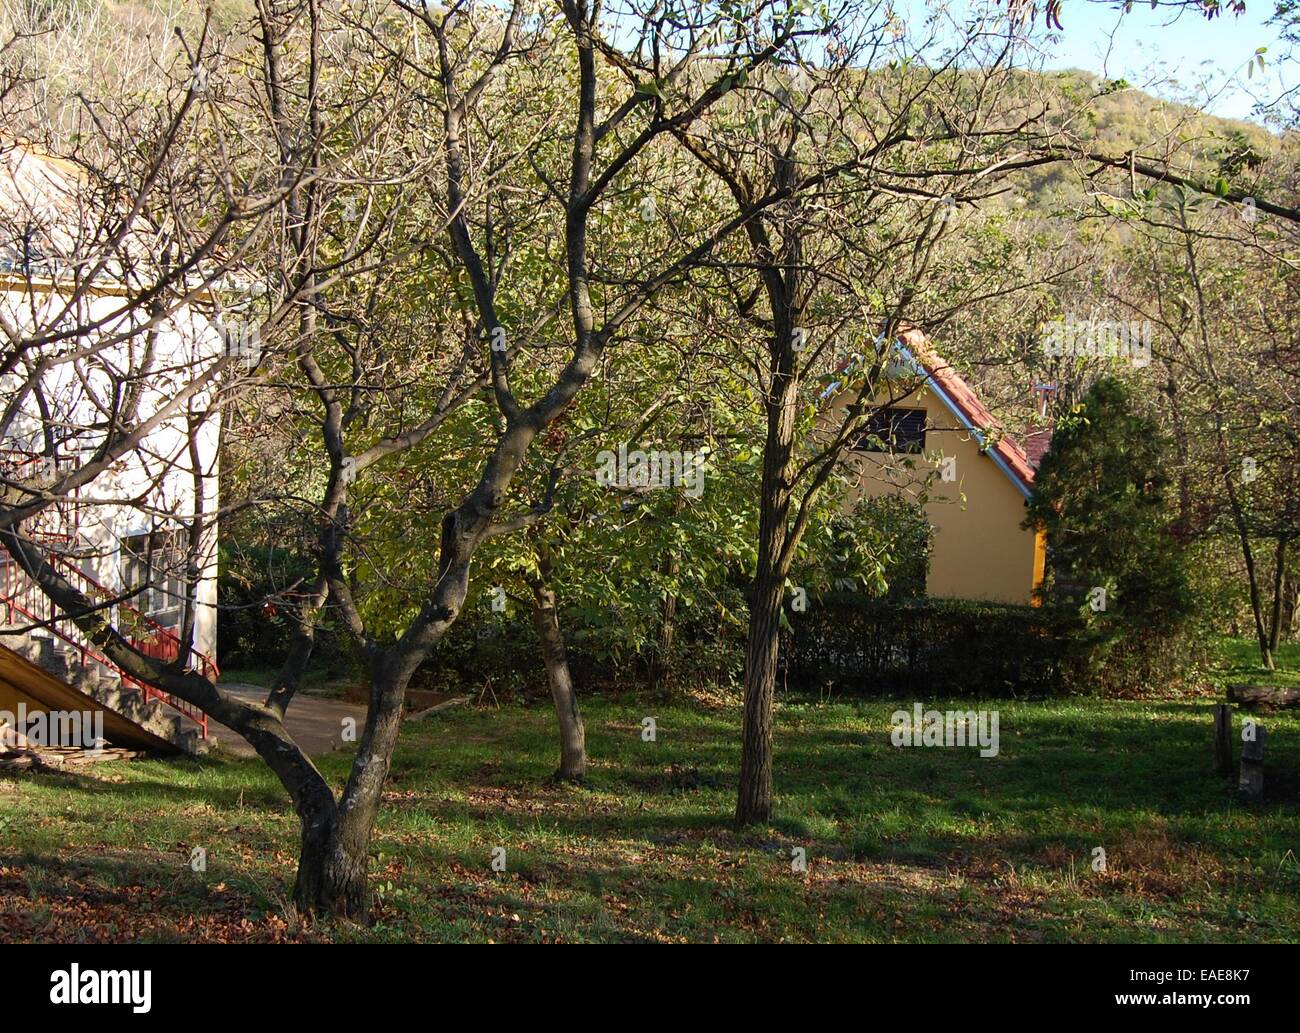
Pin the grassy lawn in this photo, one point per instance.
(902, 844)
(1238, 662)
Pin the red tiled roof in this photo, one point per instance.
(963, 397)
(1037, 441)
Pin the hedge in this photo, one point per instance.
(854, 643)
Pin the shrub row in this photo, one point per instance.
(502, 652)
(852, 643)
(845, 642)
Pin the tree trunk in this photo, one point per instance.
(669, 565)
(754, 797)
(1183, 528)
(573, 737)
(781, 275)
(1279, 587)
(1290, 605)
(1223, 739)
(664, 652)
(332, 873)
(1252, 575)
(754, 800)
(334, 862)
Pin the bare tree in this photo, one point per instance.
(456, 77)
(880, 142)
(137, 307)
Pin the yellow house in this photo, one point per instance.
(928, 435)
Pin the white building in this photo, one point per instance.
(87, 344)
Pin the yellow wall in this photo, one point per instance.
(980, 550)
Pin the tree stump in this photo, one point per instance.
(1223, 739)
(1251, 783)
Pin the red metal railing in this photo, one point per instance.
(60, 521)
(21, 595)
(58, 526)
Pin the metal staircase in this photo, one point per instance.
(36, 630)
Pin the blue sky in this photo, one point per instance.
(1202, 57)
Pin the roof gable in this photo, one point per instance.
(962, 401)
(914, 356)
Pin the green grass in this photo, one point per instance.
(902, 844)
(1238, 662)
(316, 681)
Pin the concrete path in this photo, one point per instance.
(316, 724)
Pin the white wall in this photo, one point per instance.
(156, 480)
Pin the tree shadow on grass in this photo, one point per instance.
(881, 824)
(124, 896)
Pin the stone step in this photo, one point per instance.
(104, 685)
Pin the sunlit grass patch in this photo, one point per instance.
(897, 844)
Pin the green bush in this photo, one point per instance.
(501, 649)
(1102, 494)
(252, 627)
(851, 643)
(856, 644)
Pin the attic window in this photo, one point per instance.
(891, 429)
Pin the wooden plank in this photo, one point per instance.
(1223, 739)
(24, 758)
(1264, 695)
(444, 705)
(11, 738)
(50, 693)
